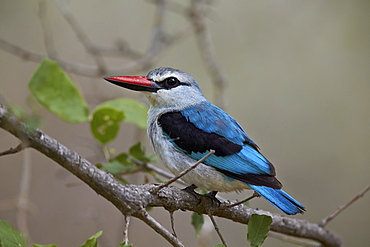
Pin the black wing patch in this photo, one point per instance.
(256, 179)
(252, 144)
(191, 139)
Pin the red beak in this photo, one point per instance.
(136, 83)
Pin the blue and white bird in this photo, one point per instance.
(183, 127)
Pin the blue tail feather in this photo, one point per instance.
(279, 198)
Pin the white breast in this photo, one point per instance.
(203, 176)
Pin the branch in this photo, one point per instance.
(159, 43)
(27, 55)
(150, 221)
(327, 219)
(81, 34)
(293, 240)
(217, 230)
(17, 149)
(197, 17)
(46, 30)
(23, 203)
(80, 68)
(131, 200)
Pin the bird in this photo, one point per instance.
(183, 127)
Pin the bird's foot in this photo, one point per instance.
(212, 196)
(208, 196)
(191, 188)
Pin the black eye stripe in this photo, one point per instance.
(170, 82)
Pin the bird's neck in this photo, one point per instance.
(173, 102)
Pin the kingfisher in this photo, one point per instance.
(183, 127)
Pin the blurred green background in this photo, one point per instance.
(298, 82)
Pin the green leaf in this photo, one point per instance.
(105, 124)
(40, 245)
(114, 167)
(10, 237)
(197, 220)
(121, 163)
(137, 151)
(135, 111)
(123, 244)
(92, 241)
(32, 121)
(125, 160)
(53, 88)
(258, 227)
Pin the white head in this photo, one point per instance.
(164, 87)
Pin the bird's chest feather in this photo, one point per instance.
(175, 160)
(204, 176)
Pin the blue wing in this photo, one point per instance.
(198, 129)
(212, 119)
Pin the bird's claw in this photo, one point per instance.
(190, 188)
(212, 196)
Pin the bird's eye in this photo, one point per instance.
(171, 82)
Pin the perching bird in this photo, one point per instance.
(183, 127)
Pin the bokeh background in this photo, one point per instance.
(298, 82)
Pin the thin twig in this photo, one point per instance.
(105, 152)
(206, 49)
(173, 224)
(150, 221)
(217, 229)
(81, 34)
(46, 30)
(17, 149)
(184, 172)
(293, 240)
(156, 44)
(173, 6)
(27, 55)
(179, 34)
(330, 217)
(157, 170)
(23, 204)
(255, 194)
(20, 51)
(121, 49)
(125, 230)
(130, 172)
(159, 43)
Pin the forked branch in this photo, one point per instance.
(132, 200)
